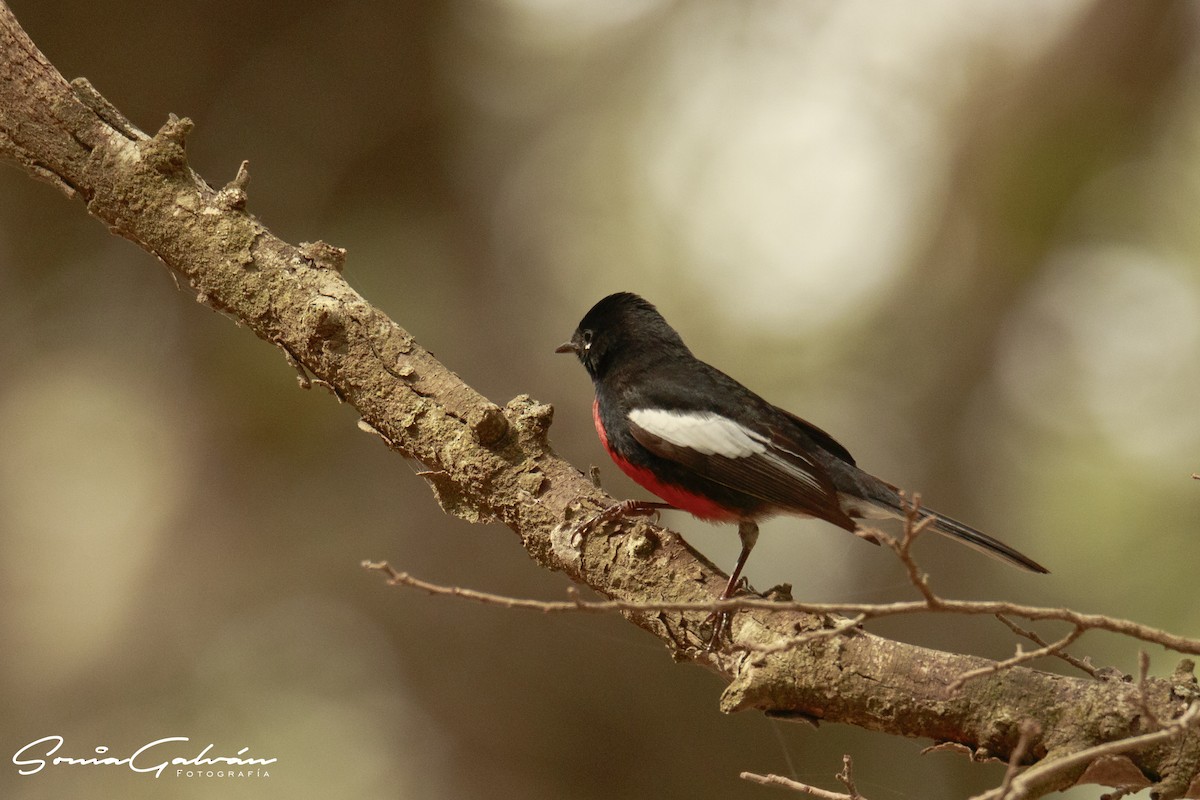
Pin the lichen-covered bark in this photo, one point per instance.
(484, 462)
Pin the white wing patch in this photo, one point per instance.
(713, 435)
(704, 432)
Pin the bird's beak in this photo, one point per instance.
(567, 347)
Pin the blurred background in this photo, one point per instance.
(960, 236)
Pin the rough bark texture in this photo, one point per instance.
(484, 462)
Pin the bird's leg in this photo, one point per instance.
(748, 533)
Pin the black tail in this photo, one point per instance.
(863, 495)
(980, 541)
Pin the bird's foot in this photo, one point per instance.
(717, 625)
(624, 508)
(715, 628)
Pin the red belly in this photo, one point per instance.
(677, 496)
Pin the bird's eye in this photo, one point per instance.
(586, 337)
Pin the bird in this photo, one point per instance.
(705, 444)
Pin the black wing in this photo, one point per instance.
(771, 467)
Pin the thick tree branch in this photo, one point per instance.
(485, 463)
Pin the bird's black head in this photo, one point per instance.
(622, 326)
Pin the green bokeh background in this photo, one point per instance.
(960, 236)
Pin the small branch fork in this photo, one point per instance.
(1082, 664)
(914, 526)
(1021, 657)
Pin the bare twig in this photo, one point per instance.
(846, 776)
(1020, 658)
(796, 786)
(868, 611)
(914, 526)
(1152, 721)
(1029, 729)
(1078, 663)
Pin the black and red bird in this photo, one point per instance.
(707, 445)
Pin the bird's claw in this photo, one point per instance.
(624, 508)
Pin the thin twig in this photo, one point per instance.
(869, 611)
(1020, 658)
(1078, 663)
(1028, 730)
(846, 776)
(796, 786)
(914, 526)
(1143, 685)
